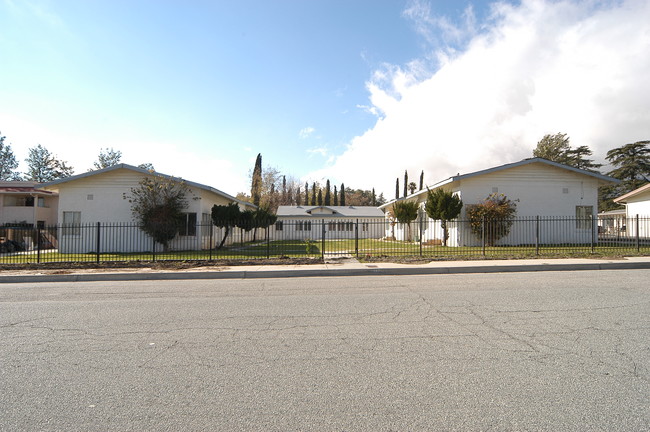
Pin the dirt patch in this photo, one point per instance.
(66, 268)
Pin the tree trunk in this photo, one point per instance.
(225, 236)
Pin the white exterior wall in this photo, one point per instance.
(638, 205)
(335, 228)
(10, 213)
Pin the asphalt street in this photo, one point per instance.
(543, 351)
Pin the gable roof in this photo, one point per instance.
(623, 198)
(144, 172)
(342, 211)
(458, 177)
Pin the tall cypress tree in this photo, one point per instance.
(374, 198)
(328, 194)
(313, 194)
(397, 188)
(342, 200)
(336, 196)
(406, 183)
(422, 180)
(256, 184)
(320, 197)
(306, 194)
(298, 197)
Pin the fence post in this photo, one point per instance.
(537, 235)
(268, 243)
(638, 238)
(483, 231)
(98, 242)
(38, 245)
(211, 241)
(593, 233)
(420, 227)
(356, 238)
(322, 249)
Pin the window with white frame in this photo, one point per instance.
(188, 225)
(71, 223)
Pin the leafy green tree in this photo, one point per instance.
(8, 162)
(554, 148)
(631, 164)
(256, 183)
(444, 206)
(557, 148)
(225, 216)
(406, 212)
(157, 204)
(147, 166)
(496, 213)
(43, 166)
(107, 158)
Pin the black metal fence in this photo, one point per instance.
(534, 236)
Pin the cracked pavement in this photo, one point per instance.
(547, 351)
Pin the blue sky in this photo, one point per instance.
(355, 91)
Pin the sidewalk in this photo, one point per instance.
(346, 267)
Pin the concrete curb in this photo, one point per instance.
(320, 272)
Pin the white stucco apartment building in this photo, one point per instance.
(637, 206)
(101, 197)
(538, 186)
(334, 222)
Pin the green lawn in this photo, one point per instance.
(364, 248)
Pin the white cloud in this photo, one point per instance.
(577, 67)
(306, 132)
(318, 150)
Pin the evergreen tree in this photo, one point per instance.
(328, 196)
(342, 200)
(43, 166)
(298, 197)
(632, 167)
(422, 180)
(397, 188)
(306, 194)
(320, 197)
(107, 158)
(406, 183)
(374, 198)
(256, 183)
(632, 162)
(8, 162)
(313, 194)
(284, 190)
(336, 196)
(577, 157)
